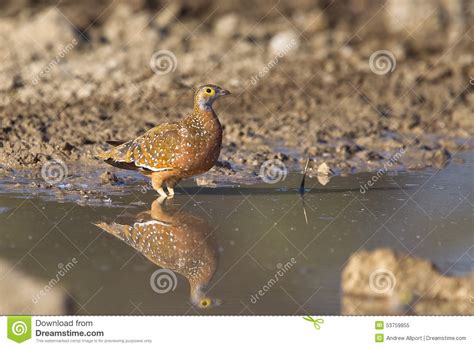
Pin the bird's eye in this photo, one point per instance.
(209, 91)
(205, 302)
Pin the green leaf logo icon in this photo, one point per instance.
(19, 328)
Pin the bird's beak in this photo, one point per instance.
(224, 92)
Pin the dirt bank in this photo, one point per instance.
(401, 284)
(304, 84)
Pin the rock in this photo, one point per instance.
(169, 14)
(116, 29)
(284, 42)
(85, 13)
(85, 90)
(323, 174)
(323, 179)
(224, 164)
(374, 156)
(431, 24)
(67, 146)
(205, 182)
(310, 22)
(312, 151)
(401, 280)
(17, 82)
(463, 117)
(441, 157)
(227, 26)
(108, 177)
(48, 32)
(346, 151)
(324, 169)
(449, 18)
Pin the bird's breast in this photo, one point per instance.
(201, 145)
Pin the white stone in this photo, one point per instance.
(284, 42)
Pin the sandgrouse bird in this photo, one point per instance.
(173, 151)
(175, 240)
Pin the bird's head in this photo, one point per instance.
(206, 95)
(200, 299)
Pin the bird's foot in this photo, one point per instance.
(161, 192)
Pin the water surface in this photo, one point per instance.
(237, 241)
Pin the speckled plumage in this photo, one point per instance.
(177, 241)
(170, 152)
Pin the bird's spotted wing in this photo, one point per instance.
(153, 150)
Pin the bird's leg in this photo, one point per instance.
(159, 212)
(161, 192)
(156, 211)
(161, 199)
(170, 184)
(156, 182)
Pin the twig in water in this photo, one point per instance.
(304, 212)
(301, 190)
(304, 177)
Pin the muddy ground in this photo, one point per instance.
(77, 74)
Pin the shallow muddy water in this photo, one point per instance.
(265, 249)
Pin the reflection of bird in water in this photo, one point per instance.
(174, 240)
